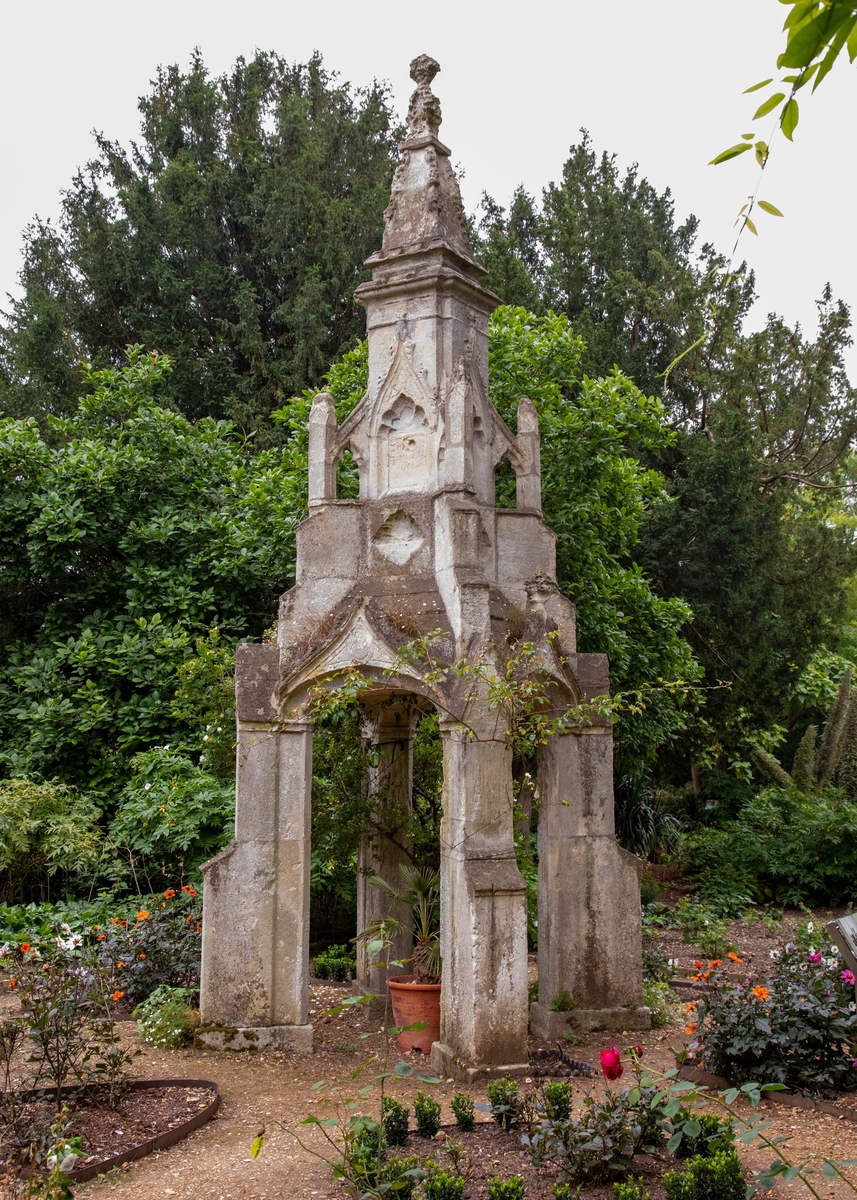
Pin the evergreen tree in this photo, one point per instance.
(230, 236)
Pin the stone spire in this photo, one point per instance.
(425, 208)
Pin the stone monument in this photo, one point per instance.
(425, 548)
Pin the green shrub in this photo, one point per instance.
(462, 1107)
(650, 889)
(562, 1002)
(402, 1174)
(557, 1099)
(427, 1113)
(46, 830)
(395, 1117)
(797, 1029)
(630, 1190)
(564, 1191)
(336, 962)
(161, 947)
(660, 999)
(785, 846)
(166, 1017)
(440, 1184)
(505, 1100)
(703, 1133)
(510, 1188)
(657, 966)
(715, 1177)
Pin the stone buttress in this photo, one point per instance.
(424, 548)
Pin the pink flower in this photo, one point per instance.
(848, 977)
(610, 1063)
(815, 957)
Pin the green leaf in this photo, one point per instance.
(768, 105)
(851, 44)
(634, 1096)
(761, 153)
(256, 1145)
(732, 152)
(403, 1070)
(756, 86)
(674, 1142)
(428, 1079)
(692, 1128)
(829, 1169)
(751, 226)
(789, 119)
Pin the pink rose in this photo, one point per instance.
(611, 1063)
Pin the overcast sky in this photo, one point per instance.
(657, 82)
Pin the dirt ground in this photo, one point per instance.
(274, 1090)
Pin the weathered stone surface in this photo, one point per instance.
(424, 548)
(297, 1038)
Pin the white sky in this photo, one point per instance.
(658, 82)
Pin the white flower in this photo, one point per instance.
(809, 927)
(65, 928)
(4, 950)
(147, 787)
(201, 759)
(812, 950)
(71, 943)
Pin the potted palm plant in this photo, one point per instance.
(416, 997)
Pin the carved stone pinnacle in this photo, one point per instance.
(424, 110)
(423, 69)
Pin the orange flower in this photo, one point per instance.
(117, 996)
(142, 956)
(734, 957)
(189, 918)
(163, 904)
(12, 983)
(143, 914)
(190, 891)
(690, 1007)
(115, 921)
(169, 893)
(119, 966)
(690, 1029)
(717, 962)
(199, 927)
(95, 928)
(101, 937)
(761, 993)
(24, 947)
(698, 965)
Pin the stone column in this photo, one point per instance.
(389, 729)
(483, 919)
(255, 940)
(590, 924)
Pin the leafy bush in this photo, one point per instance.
(173, 814)
(161, 945)
(713, 1133)
(562, 1002)
(166, 1017)
(557, 1097)
(510, 1188)
(603, 1140)
(715, 1177)
(641, 827)
(427, 1113)
(564, 1191)
(786, 846)
(45, 829)
(395, 1118)
(657, 967)
(630, 1190)
(703, 926)
(462, 1107)
(504, 1098)
(336, 962)
(440, 1184)
(401, 1174)
(660, 999)
(798, 1029)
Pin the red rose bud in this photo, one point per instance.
(611, 1063)
(639, 1052)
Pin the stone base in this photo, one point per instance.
(445, 1063)
(379, 1006)
(548, 1025)
(271, 1037)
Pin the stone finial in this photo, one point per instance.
(424, 114)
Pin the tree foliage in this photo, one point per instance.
(230, 236)
(125, 533)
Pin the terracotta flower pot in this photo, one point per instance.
(414, 1002)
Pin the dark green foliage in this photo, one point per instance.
(785, 846)
(163, 948)
(602, 1141)
(402, 1173)
(230, 235)
(656, 963)
(564, 1191)
(847, 769)
(124, 536)
(48, 837)
(336, 962)
(462, 1107)
(509, 1188)
(557, 1099)
(440, 1184)
(505, 1099)
(395, 1119)
(641, 826)
(798, 1030)
(803, 766)
(715, 1177)
(827, 758)
(562, 1002)
(427, 1114)
(711, 1136)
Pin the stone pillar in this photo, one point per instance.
(590, 921)
(483, 918)
(389, 729)
(255, 938)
